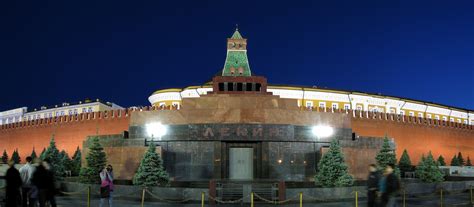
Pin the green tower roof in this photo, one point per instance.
(236, 63)
(236, 35)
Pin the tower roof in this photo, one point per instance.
(236, 34)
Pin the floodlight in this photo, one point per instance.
(321, 131)
(156, 129)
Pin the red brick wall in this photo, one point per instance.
(70, 131)
(419, 136)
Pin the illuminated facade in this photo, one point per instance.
(240, 127)
(22, 114)
(236, 64)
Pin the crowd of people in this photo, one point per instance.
(382, 188)
(33, 184)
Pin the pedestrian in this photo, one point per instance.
(43, 179)
(372, 185)
(391, 188)
(12, 193)
(107, 185)
(26, 173)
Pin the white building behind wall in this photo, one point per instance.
(22, 114)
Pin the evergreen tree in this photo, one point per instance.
(468, 162)
(5, 157)
(151, 171)
(461, 160)
(428, 170)
(96, 161)
(42, 154)
(16, 157)
(441, 161)
(387, 156)
(405, 162)
(66, 162)
(332, 169)
(53, 155)
(76, 162)
(455, 161)
(33, 154)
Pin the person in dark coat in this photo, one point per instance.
(372, 185)
(392, 187)
(43, 179)
(13, 179)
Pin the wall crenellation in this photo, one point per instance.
(358, 114)
(121, 113)
(87, 116)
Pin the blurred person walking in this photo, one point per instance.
(13, 181)
(26, 173)
(391, 187)
(372, 185)
(43, 179)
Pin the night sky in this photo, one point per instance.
(122, 51)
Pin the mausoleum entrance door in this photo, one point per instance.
(241, 163)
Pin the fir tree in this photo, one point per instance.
(455, 161)
(468, 162)
(96, 161)
(151, 171)
(386, 156)
(332, 170)
(461, 160)
(33, 154)
(428, 170)
(441, 161)
(405, 162)
(5, 157)
(76, 162)
(66, 162)
(42, 154)
(53, 155)
(16, 157)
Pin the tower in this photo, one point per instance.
(236, 62)
(236, 76)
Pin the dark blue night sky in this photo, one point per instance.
(122, 51)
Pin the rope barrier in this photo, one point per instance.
(165, 200)
(227, 202)
(440, 193)
(294, 198)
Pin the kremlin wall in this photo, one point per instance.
(238, 98)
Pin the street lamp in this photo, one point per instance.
(322, 131)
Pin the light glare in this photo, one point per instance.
(156, 129)
(322, 131)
